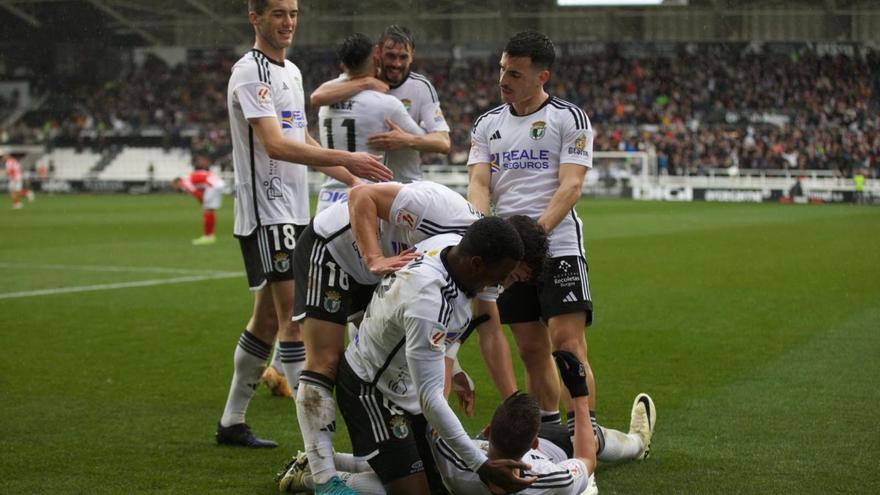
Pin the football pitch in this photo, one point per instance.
(755, 328)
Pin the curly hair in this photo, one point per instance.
(537, 46)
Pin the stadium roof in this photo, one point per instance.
(160, 22)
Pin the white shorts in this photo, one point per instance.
(15, 185)
(213, 198)
(327, 197)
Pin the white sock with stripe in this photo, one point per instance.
(248, 361)
(316, 414)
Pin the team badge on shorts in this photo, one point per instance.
(332, 301)
(537, 130)
(398, 426)
(281, 262)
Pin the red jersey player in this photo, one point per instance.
(207, 188)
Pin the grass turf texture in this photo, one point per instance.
(754, 327)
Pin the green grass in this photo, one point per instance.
(756, 328)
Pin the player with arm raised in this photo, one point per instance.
(270, 148)
(395, 51)
(347, 124)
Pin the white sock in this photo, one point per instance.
(619, 445)
(350, 463)
(276, 358)
(292, 359)
(364, 483)
(551, 417)
(248, 361)
(316, 414)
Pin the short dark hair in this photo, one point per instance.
(355, 51)
(537, 46)
(492, 239)
(515, 425)
(258, 6)
(534, 240)
(398, 35)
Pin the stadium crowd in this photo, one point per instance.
(706, 107)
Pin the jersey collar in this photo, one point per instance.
(270, 59)
(401, 81)
(546, 102)
(457, 283)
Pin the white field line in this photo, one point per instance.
(111, 268)
(121, 285)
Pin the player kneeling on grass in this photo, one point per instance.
(390, 381)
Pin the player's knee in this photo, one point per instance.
(323, 361)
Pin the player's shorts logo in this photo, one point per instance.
(398, 426)
(538, 129)
(281, 262)
(332, 301)
(564, 265)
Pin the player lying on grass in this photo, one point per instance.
(562, 464)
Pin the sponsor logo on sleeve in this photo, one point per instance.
(299, 119)
(438, 339)
(264, 96)
(580, 146)
(438, 115)
(406, 218)
(407, 103)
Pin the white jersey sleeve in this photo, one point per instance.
(425, 352)
(480, 139)
(252, 92)
(577, 141)
(396, 112)
(428, 113)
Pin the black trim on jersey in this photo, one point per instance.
(449, 292)
(431, 90)
(472, 325)
(268, 58)
(433, 228)
(544, 104)
(580, 118)
(446, 451)
(387, 362)
(490, 112)
(458, 284)
(577, 229)
(556, 479)
(401, 81)
(337, 233)
(254, 176)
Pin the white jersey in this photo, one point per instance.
(420, 210)
(267, 191)
(421, 102)
(401, 343)
(524, 153)
(557, 475)
(347, 125)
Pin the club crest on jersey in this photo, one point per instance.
(407, 103)
(332, 301)
(398, 426)
(286, 119)
(281, 262)
(438, 339)
(264, 96)
(538, 129)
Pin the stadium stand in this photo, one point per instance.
(69, 164)
(148, 164)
